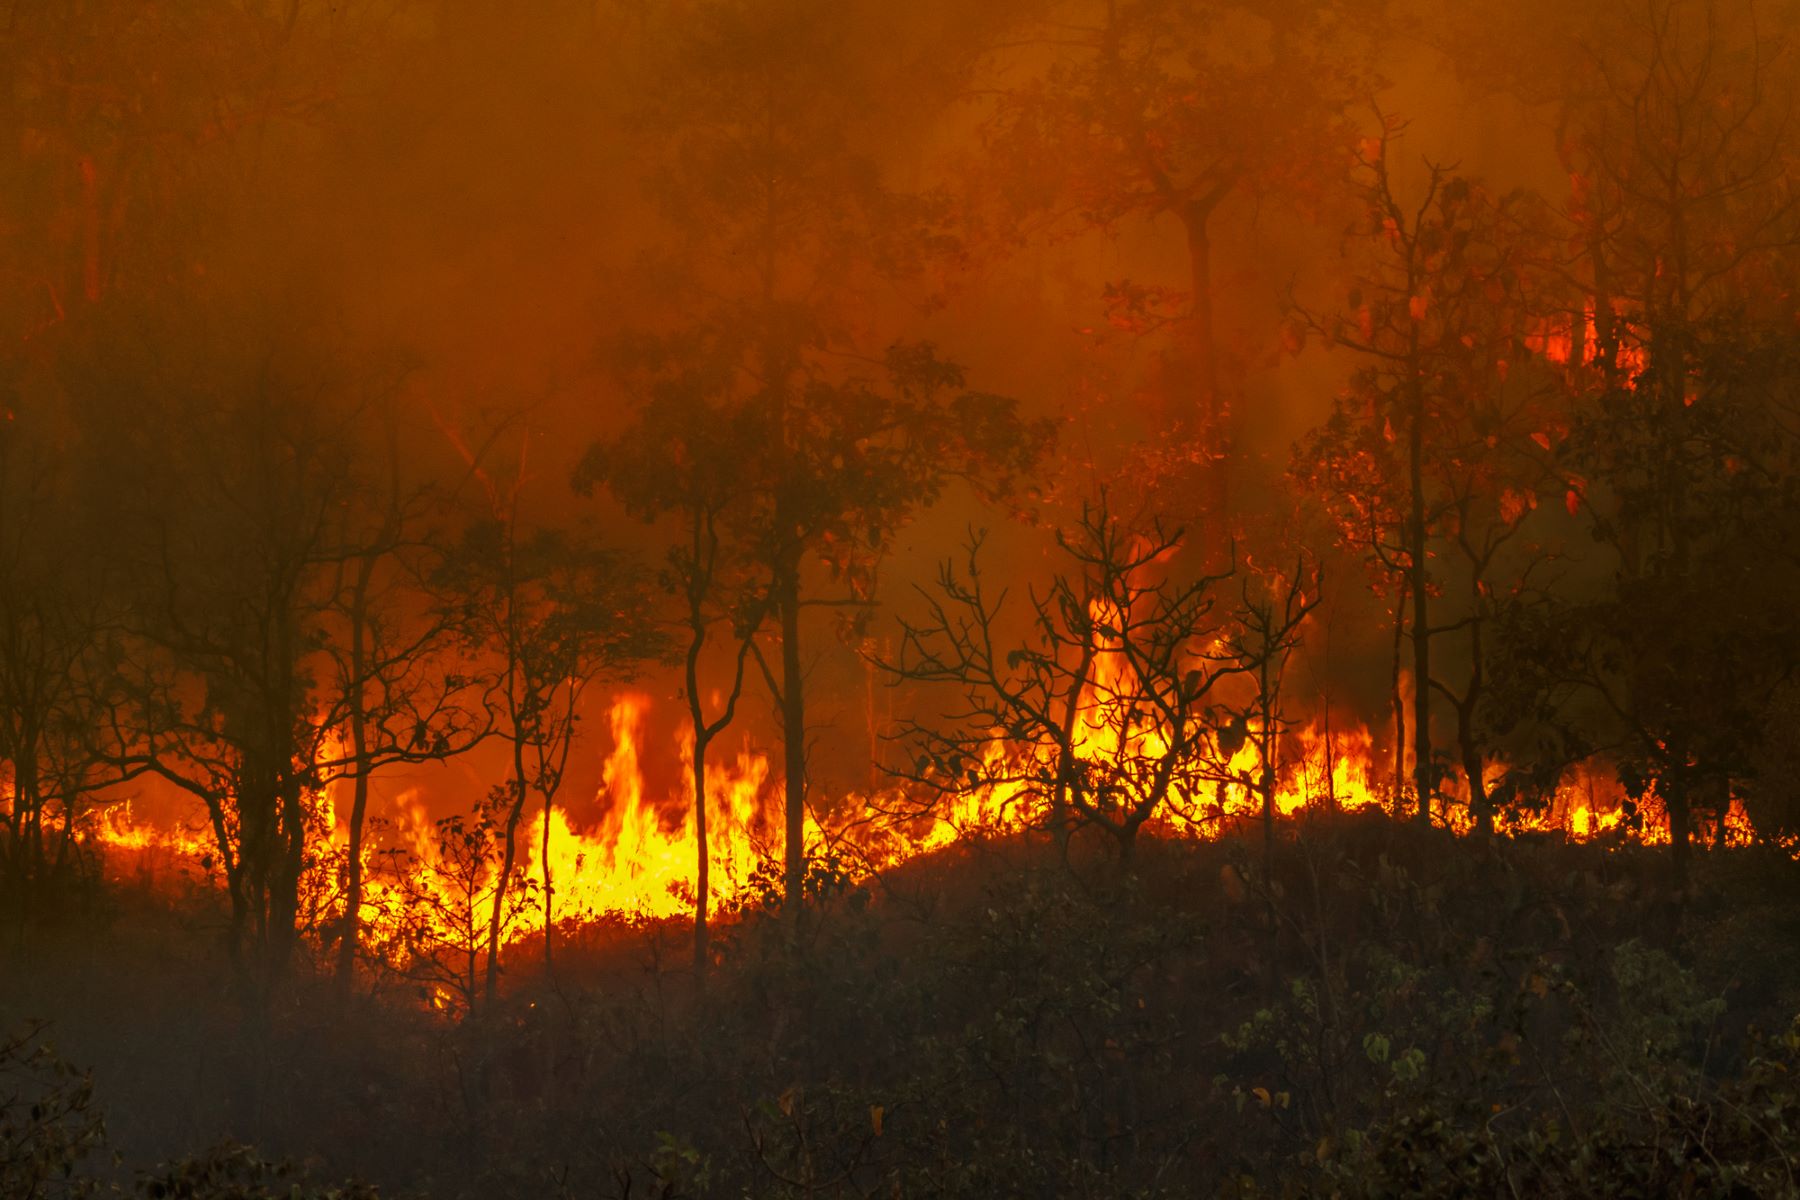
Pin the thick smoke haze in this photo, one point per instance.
(840, 597)
(470, 205)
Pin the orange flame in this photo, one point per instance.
(639, 857)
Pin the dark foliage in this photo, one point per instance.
(1395, 1012)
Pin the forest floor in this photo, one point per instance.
(1377, 1008)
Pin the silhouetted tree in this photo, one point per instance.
(1694, 223)
(687, 456)
(1106, 710)
(57, 685)
(449, 888)
(1670, 669)
(1674, 123)
(1429, 446)
(1265, 631)
(767, 168)
(398, 690)
(549, 610)
(235, 481)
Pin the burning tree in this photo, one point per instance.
(1692, 222)
(398, 691)
(1266, 630)
(686, 457)
(1438, 444)
(767, 167)
(448, 890)
(1673, 671)
(547, 610)
(1674, 123)
(1105, 713)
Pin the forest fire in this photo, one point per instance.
(637, 860)
(821, 599)
(1575, 340)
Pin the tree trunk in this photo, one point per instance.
(1207, 409)
(793, 736)
(702, 741)
(353, 883)
(509, 851)
(1680, 834)
(284, 890)
(28, 810)
(1606, 327)
(516, 728)
(1399, 700)
(702, 863)
(1058, 823)
(1473, 767)
(1423, 768)
(1265, 783)
(1127, 836)
(549, 808)
(1331, 798)
(359, 802)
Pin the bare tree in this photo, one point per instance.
(1266, 629)
(447, 896)
(548, 610)
(240, 494)
(1425, 437)
(1102, 712)
(686, 457)
(397, 687)
(56, 681)
(768, 167)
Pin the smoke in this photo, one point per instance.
(470, 200)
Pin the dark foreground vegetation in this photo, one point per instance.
(1394, 1012)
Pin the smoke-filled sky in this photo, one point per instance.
(471, 205)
